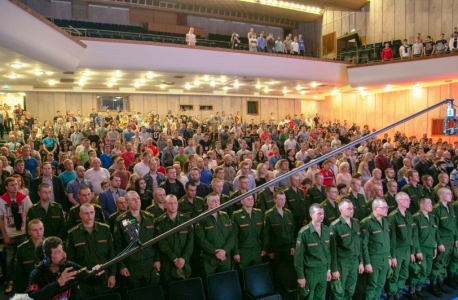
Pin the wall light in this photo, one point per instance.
(286, 5)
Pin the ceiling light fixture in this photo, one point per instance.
(223, 79)
(388, 88)
(113, 79)
(109, 84)
(22, 93)
(141, 80)
(49, 73)
(162, 86)
(51, 82)
(266, 90)
(236, 84)
(118, 74)
(38, 72)
(313, 84)
(285, 91)
(258, 86)
(149, 75)
(187, 86)
(16, 65)
(81, 83)
(361, 89)
(287, 5)
(316, 96)
(298, 88)
(212, 83)
(11, 76)
(272, 82)
(416, 85)
(225, 88)
(83, 78)
(197, 82)
(302, 92)
(206, 78)
(136, 84)
(86, 73)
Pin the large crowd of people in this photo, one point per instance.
(382, 212)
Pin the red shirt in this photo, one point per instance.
(128, 158)
(161, 170)
(154, 149)
(328, 177)
(264, 135)
(387, 53)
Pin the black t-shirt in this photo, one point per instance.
(205, 145)
(68, 142)
(94, 139)
(108, 120)
(249, 141)
(440, 45)
(429, 47)
(177, 142)
(36, 144)
(184, 118)
(156, 134)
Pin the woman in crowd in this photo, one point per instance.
(343, 177)
(363, 170)
(20, 181)
(261, 171)
(131, 183)
(146, 196)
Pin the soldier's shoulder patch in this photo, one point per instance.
(239, 211)
(298, 243)
(257, 209)
(287, 210)
(72, 229)
(306, 227)
(121, 216)
(148, 213)
(96, 205)
(73, 208)
(23, 243)
(416, 214)
(335, 222)
(160, 218)
(222, 212)
(103, 225)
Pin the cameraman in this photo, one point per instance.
(53, 272)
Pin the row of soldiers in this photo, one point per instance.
(244, 239)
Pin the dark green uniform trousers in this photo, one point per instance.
(213, 265)
(315, 279)
(140, 273)
(428, 253)
(250, 257)
(401, 272)
(441, 263)
(348, 269)
(376, 280)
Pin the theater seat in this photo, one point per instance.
(286, 279)
(257, 283)
(224, 286)
(189, 289)
(113, 296)
(152, 292)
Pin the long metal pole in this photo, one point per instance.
(262, 187)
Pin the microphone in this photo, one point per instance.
(451, 116)
(131, 230)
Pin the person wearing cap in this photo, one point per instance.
(312, 258)
(346, 258)
(427, 240)
(296, 203)
(447, 240)
(176, 249)
(331, 208)
(404, 247)
(375, 247)
(248, 226)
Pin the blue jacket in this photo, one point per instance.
(107, 202)
(149, 181)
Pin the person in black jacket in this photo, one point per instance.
(56, 183)
(54, 272)
(171, 185)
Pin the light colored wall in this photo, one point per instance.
(108, 14)
(58, 10)
(226, 27)
(45, 104)
(386, 20)
(380, 110)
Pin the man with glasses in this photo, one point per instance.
(346, 259)
(376, 248)
(404, 247)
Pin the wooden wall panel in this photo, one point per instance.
(163, 17)
(378, 21)
(434, 21)
(411, 30)
(269, 105)
(421, 17)
(59, 102)
(447, 18)
(399, 18)
(388, 27)
(138, 16)
(455, 17)
(337, 24)
(361, 111)
(379, 111)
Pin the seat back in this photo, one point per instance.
(257, 280)
(152, 292)
(286, 275)
(112, 296)
(224, 286)
(189, 289)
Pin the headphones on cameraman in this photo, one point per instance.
(46, 259)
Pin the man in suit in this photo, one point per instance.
(58, 192)
(107, 198)
(403, 181)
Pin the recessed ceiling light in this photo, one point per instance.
(285, 91)
(258, 86)
(313, 84)
(271, 82)
(1, 93)
(38, 72)
(109, 84)
(416, 85)
(162, 86)
(225, 88)
(118, 74)
(16, 65)
(266, 90)
(236, 84)
(223, 79)
(212, 83)
(298, 88)
(361, 89)
(316, 97)
(197, 82)
(113, 79)
(51, 82)
(302, 92)
(206, 78)
(83, 78)
(363, 93)
(142, 80)
(11, 76)
(136, 84)
(22, 94)
(49, 73)
(149, 75)
(388, 88)
(86, 73)
(187, 86)
(81, 83)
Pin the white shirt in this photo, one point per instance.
(404, 51)
(96, 177)
(5, 211)
(301, 155)
(266, 149)
(141, 169)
